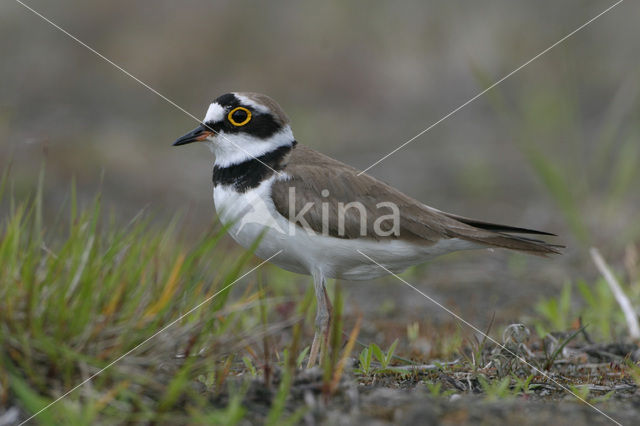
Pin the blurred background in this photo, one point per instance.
(555, 147)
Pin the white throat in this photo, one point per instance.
(237, 148)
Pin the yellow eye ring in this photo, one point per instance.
(240, 123)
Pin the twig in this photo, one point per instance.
(623, 300)
(619, 387)
(424, 366)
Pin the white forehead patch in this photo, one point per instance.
(215, 113)
(250, 102)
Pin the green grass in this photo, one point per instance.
(373, 352)
(79, 291)
(592, 305)
(78, 295)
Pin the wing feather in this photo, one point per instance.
(309, 173)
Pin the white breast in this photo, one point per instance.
(252, 215)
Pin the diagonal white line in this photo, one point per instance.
(521, 359)
(163, 329)
(492, 86)
(35, 12)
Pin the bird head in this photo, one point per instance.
(239, 126)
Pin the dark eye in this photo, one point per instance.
(239, 116)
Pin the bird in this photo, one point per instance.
(314, 215)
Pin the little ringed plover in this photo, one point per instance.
(318, 212)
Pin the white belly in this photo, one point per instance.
(252, 215)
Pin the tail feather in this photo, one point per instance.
(512, 242)
(494, 235)
(495, 227)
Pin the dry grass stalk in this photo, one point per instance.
(623, 300)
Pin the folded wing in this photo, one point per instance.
(332, 199)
